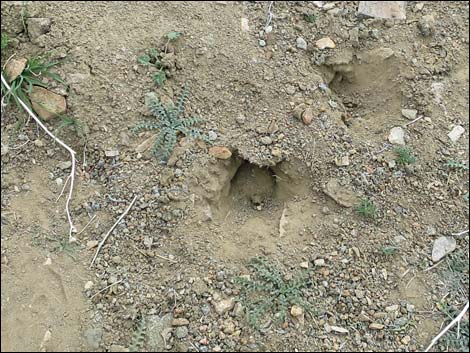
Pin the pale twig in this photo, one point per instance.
(433, 266)
(100, 245)
(165, 258)
(91, 220)
(456, 320)
(413, 121)
(461, 233)
(101, 291)
(18, 147)
(269, 15)
(63, 188)
(72, 156)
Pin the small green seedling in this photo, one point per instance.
(153, 57)
(456, 165)
(366, 208)
(389, 250)
(5, 40)
(405, 156)
(310, 18)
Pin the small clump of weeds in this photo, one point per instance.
(457, 165)
(138, 337)
(405, 156)
(153, 57)
(5, 40)
(36, 69)
(73, 124)
(367, 209)
(267, 293)
(389, 250)
(170, 123)
(457, 338)
(310, 18)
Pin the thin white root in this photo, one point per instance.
(72, 229)
(91, 220)
(102, 290)
(460, 233)
(63, 188)
(100, 245)
(448, 327)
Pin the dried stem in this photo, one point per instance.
(100, 245)
(73, 229)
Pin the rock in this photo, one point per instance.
(262, 43)
(296, 311)
(301, 43)
(410, 114)
(455, 133)
(180, 322)
(319, 262)
(340, 194)
(220, 152)
(39, 143)
(427, 25)
(290, 89)
(156, 331)
(392, 308)
(212, 135)
(244, 25)
(405, 340)
(93, 337)
(397, 136)
(238, 310)
(229, 327)
(276, 152)
(431, 230)
(382, 9)
(111, 153)
(118, 348)
(419, 6)
(304, 264)
(376, 326)
(339, 330)
(342, 161)
(224, 306)
(299, 110)
(181, 332)
(144, 146)
(442, 247)
(307, 116)
(38, 27)
(88, 285)
(91, 244)
(354, 36)
(46, 103)
(325, 43)
(64, 165)
(266, 140)
(14, 68)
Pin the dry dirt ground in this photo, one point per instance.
(191, 266)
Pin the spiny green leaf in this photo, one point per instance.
(159, 78)
(173, 35)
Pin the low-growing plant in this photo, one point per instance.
(310, 18)
(138, 337)
(456, 165)
(74, 124)
(170, 123)
(389, 250)
(366, 208)
(268, 293)
(405, 155)
(153, 57)
(36, 68)
(5, 40)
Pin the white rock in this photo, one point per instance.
(397, 136)
(301, 43)
(456, 132)
(319, 262)
(410, 114)
(339, 330)
(88, 285)
(325, 43)
(244, 24)
(442, 247)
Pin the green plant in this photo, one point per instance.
(153, 57)
(36, 68)
(24, 14)
(138, 337)
(5, 40)
(405, 155)
(366, 208)
(310, 18)
(268, 292)
(74, 124)
(456, 165)
(457, 338)
(170, 123)
(389, 250)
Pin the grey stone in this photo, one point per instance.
(181, 332)
(397, 136)
(382, 9)
(301, 43)
(155, 328)
(410, 114)
(442, 247)
(38, 27)
(93, 337)
(426, 25)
